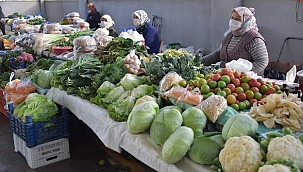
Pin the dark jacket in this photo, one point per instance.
(151, 36)
(2, 24)
(93, 20)
(112, 32)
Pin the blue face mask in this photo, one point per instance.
(89, 11)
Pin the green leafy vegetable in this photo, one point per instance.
(164, 124)
(195, 119)
(142, 116)
(177, 145)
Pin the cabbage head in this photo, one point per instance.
(104, 88)
(172, 107)
(239, 125)
(164, 124)
(131, 81)
(119, 110)
(195, 119)
(142, 116)
(42, 78)
(112, 96)
(177, 145)
(145, 98)
(143, 90)
(205, 149)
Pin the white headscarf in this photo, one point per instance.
(142, 16)
(248, 20)
(110, 22)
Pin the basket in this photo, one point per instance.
(43, 154)
(40, 132)
(59, 50)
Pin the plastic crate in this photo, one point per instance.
(40, 132)
(43, 154)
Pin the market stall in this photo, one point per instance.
(168, 110)
(115, 136)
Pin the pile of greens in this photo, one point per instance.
(38, 106)
(185, 65)
(68, 39)
(118, 48)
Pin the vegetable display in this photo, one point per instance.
(164, 124)
(177, 145)
(142, 116)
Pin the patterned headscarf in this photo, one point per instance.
(110, 21)
(248, 20)
(142, 16)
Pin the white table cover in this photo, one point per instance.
(115, 136)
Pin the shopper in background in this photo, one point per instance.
(243, 41)
(2, 21)
(108, 23)
(150, 34)
(93, 17)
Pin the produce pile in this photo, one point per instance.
(217, 117)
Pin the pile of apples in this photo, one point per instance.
(240, 90)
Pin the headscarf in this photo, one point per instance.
(1, 13)
(92, 7)
(248, 20)
(142, 16)
(110, 21)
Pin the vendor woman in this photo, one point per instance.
(243, 41)
(150, 34)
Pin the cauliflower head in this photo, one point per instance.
(242, 154)
(286, 147)
(274, 168)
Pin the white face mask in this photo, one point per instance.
(137, 22)
(103, 24)
(234, 24)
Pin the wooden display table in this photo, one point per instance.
(2, 103)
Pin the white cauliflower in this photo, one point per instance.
(274, 168)
(286, 147)
(242, 154)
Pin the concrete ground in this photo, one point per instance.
(86, 151)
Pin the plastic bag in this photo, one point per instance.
(191, 97)
(240, 65)
(84, 41)
(213, 106)
(169, 80)
(176, 92)
(25, 87)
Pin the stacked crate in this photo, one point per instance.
(41, 143)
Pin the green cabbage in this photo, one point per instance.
(177, 145)
(142, 116)
(112, 96)
(204, 149)
(239, 125)
(171, 107)
(164, 124)
(42, 78)
(145, 98)
(104, 88)
(120, 109)
(195, 119)
(143, 90)
(131, 81)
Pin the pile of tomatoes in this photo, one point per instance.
(240, 90)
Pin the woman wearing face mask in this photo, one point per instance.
(93, 17)
(108, 23)
(150, 34)
(243, 41)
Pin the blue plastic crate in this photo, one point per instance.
(40, 132)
